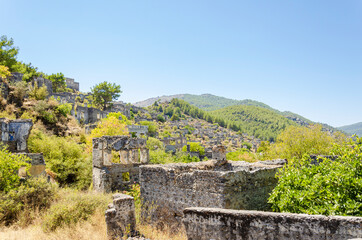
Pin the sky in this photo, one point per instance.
(300, 56)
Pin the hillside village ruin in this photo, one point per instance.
(213, 199)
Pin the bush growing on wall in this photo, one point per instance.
(329, 188)
(65, 157)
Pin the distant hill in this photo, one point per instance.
(353, 129)
(256, 121)
(209, 102)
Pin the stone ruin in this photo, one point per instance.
(87, 115)
(213, 183)
(120, 217)
(14, 135)
(217, 200)
(138, 130)
(109, 176)
(172, 144)
(72, 84)
(220, 224)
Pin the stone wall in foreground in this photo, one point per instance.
(218, 224)
(235, 185)
(120, 217)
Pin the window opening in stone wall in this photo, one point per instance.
(125, 177)
(116, 155)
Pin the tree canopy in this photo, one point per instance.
(8, 52)
(104, 93)
(58, 81)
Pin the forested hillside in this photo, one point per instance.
(209, 102)
(352, 129)
(256, 121)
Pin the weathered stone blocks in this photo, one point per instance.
(219, 224)
(238, 185)
(120, 217)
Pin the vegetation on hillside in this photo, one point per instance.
(259, 122)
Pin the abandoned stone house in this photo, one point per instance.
(109, 176)
(14, 135)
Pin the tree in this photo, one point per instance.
(58, 81)
(104, 93)
(8, 52)
(4, 72)
(295, 141)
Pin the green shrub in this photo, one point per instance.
(33, 194)
(241, 154)
(160, 118)
(329, 188)
(65, 157)
(73, 208)
(295, 141)
(154, 144)
(152, 127)
(195, 147)
(64, 109)
(159, 156)
(9, 167)
(38, 93)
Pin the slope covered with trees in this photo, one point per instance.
(256, 121)
(352, 129)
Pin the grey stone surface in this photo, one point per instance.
(219, 224)
(15, 133)
(236, 185)
(139, 130)
(72, 84)
(120, 217)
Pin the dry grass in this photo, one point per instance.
(93, 229)
(166, 234)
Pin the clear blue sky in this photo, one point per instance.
(301, 56)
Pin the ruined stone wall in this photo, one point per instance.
(40, 81)
(108, 176)
(220, 224)
(88, 115)
(15, 133)
(72, 84)
(238, 185)
(138, 130)
(37, 163)
(120, 217)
